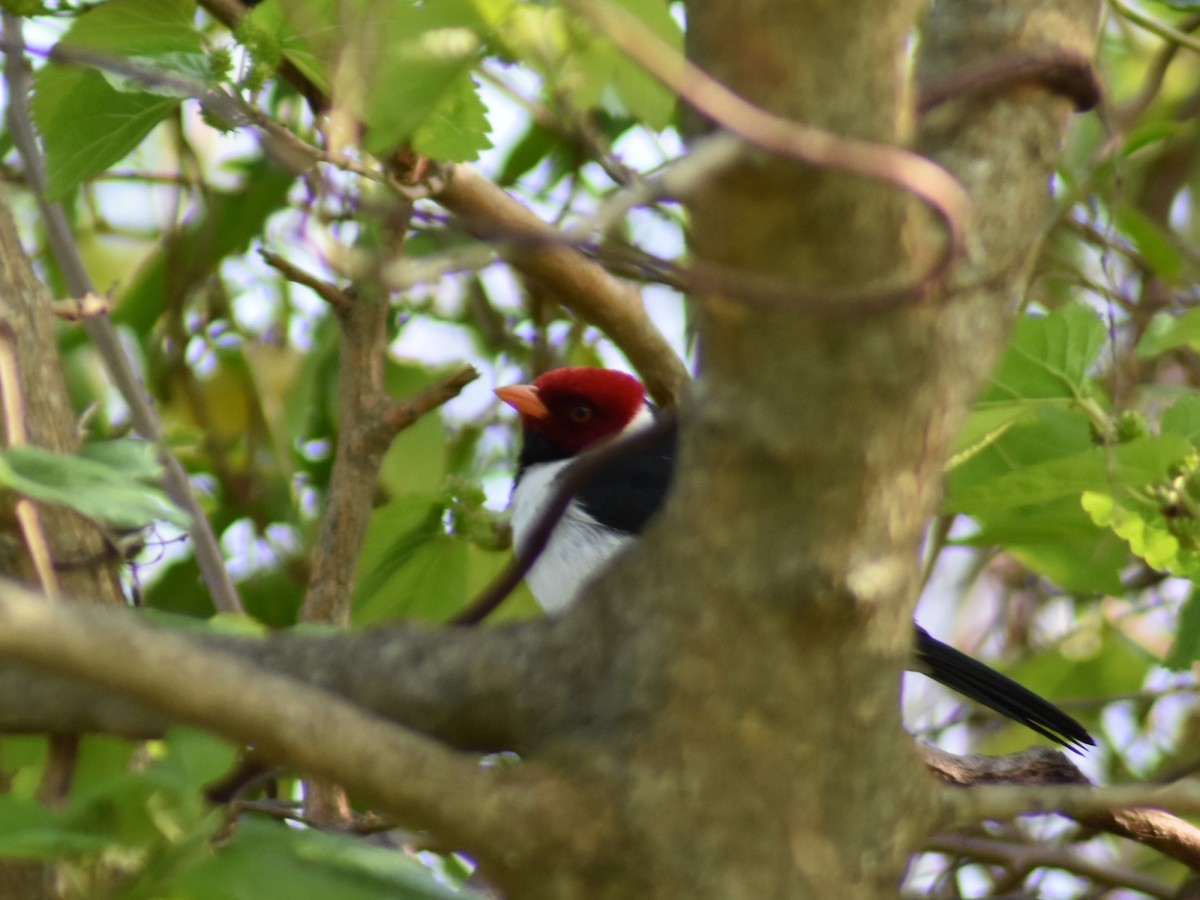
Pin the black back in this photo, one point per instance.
(623, 495)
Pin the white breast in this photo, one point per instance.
(579, 549)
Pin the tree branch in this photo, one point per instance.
(1024, 857)
(539, 254)
(804, 143)
(173, 677)
(475, 689)
(575, 281)
(1044, 780)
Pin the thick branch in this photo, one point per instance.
(416, 779)
(475, 689)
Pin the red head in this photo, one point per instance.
(574, 408)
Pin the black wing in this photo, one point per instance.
(627, 493)
(985, 685)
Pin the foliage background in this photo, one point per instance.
(1070, 538)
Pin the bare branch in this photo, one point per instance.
(1043, 780)
(1068, 73)
(474, 689)
(1164, 31)
(369, 421)
(12, 405)
(337, 299)
(403, 413)
(1023, 858)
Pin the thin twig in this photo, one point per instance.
(1069, 74)
(338, 300)
(574, 281)
(76, 309)
(1024, 857)
(1164, 31)
(120, 367)
(707, 157)
(1156, 73)
(405, 413)
(901, 168)
(540, 253)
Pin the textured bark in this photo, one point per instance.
(50, 422)
(88, 567)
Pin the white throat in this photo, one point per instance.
(580, 548)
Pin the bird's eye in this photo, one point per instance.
(580, 413)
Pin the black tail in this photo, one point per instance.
(973, 679)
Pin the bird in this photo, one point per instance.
(567, 411)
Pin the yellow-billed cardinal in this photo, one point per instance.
(567, 411)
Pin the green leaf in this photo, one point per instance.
(536, 144)
(1166, 332)
(432, 584)
(109, 805)
(269, 859)
(137, 459)
(1152, 242)
(984, 427)
(456, 130)
(146, 28)
(272, 33)
(272, 596)
(190, 256)
(100, 760)
(91, 487)
(1183, 418)
(1046, 432)
(1137, 463)
(1147, 538)
(1111, 665)
(416, 460)
(28, 829)
(1059, 541)
(409, 566)
(91, 119)
(482, 568)
(220, 623)
(180, 590)
(194, 759)
(643, 95)
(1079, 567)
(1149, 133)
(427, 55)
(113, 807)
(87, 125)
(1048, 357)
(1186, 649)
